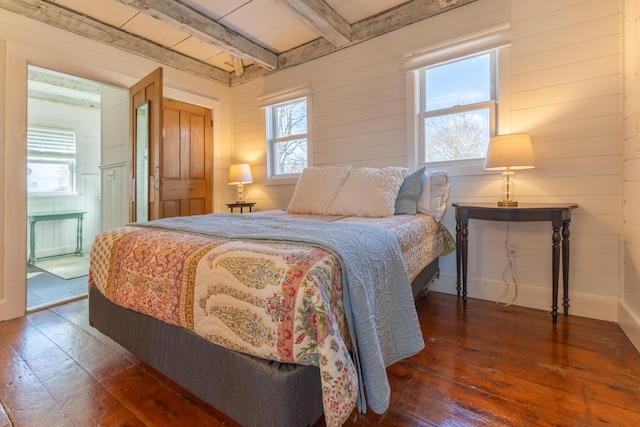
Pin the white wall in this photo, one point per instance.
(630, 260)
(24, 41)
(3, 139)
(114, 192)
(58, 237)
(565, 91)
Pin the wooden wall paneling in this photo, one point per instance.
(588, 146)
(564, 92)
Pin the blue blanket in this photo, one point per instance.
(378, 301)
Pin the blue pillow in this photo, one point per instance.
(407, 200)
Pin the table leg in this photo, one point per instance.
(79, 237)
(565, 266)
(458, 255)
(32, 242)
(464, 243)
(555, 266)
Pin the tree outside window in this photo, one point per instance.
(458, 108)
(287, 137)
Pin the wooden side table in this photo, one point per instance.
(558, 213)
(241, 205)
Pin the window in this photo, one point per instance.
(51, 157)
(287, 137)
(289, 147)
(459, 90)
(458, 114)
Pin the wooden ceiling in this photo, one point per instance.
(230, 41)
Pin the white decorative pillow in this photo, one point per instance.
(317, 188)
(369, 192)
(435, 194)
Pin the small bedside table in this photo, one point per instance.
(241, 205)
(558, 213)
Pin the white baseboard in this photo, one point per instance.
(629, 321)
(583, 304)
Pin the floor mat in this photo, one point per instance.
(66, 267)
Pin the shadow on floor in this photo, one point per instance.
(45, 289)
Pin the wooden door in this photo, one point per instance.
(148, 90)
(186, 168)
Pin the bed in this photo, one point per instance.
(271, 317)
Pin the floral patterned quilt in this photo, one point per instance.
(275, 300)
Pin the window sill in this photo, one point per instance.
(283, 181)
(45, 195)
(458, 167)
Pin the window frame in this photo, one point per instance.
(496, 39)
(70, 160)
(268, 103)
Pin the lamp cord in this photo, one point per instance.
(511, 267)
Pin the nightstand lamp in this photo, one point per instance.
(240, 175)
(507, 153)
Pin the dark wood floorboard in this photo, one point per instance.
(485, 365)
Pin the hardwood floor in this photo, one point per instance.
(486, 365)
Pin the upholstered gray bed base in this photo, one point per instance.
(251, 391)
(421, 282)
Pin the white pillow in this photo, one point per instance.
(369, 192)
(435, 194)
(317, 188)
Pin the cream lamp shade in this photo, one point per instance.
(240, 174)
(509, 152)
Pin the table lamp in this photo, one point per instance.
(509, 152)
(240, 175)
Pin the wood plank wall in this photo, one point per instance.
(629, 317)
(24, 41)
(3, 132)
(565, 74)
(57, 237)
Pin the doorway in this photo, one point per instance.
(63, 184)
(172, 153)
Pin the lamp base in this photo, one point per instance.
(240, 193)
(507, 203)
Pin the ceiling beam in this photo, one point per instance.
(321, 17)
(238, 66)
(63, 81)
(366, 29)
(62, 99)
(400, 16)
(199, 26)
(52, 14)
(203, 28)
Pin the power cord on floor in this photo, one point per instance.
(511, 267)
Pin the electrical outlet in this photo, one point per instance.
(513, 249)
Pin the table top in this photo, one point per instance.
(521, 206)
(240, 204)
(69, 214)
(557, 213)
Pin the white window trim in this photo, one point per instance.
(497, 37)
(280, 97)
(69, 159)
